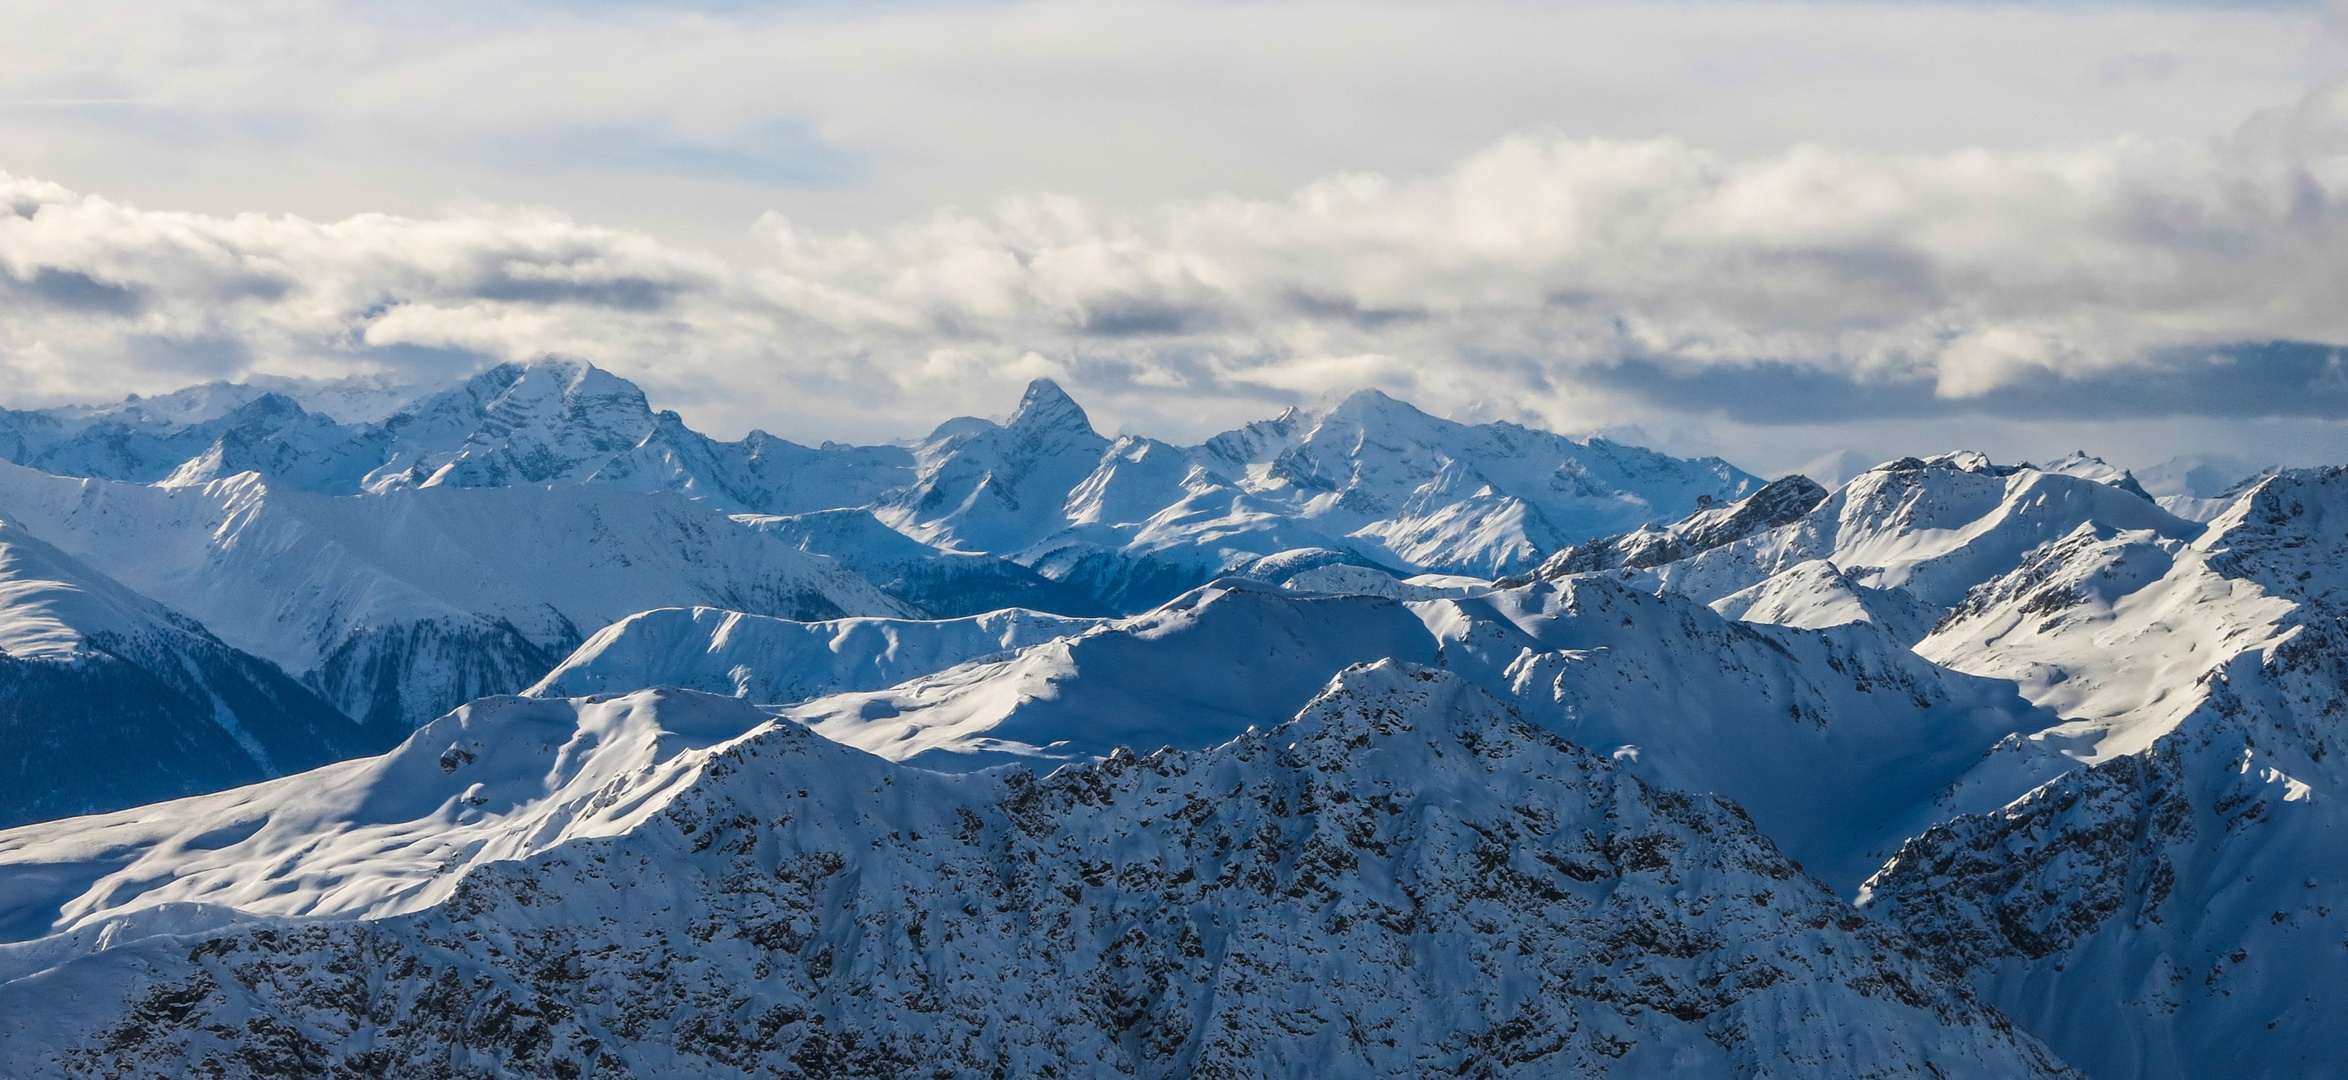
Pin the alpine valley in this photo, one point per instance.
(515, 729)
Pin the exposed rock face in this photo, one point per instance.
(1405, 881)
(2157, 913)
(1780, 502)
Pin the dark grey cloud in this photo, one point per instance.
(1135, 316)
(2244, 380)
(1349, 310)
(74, 290)
(621, 293)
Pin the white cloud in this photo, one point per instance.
(689, 123)
(1512, 282)
(1887, 207)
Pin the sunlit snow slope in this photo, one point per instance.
(108, 699)
(1405, 880)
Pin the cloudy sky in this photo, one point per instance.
(1777, 231)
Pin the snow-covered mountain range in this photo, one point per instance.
(1352, 742)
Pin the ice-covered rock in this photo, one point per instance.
(1780, 502)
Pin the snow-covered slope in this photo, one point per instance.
(1839, 741)
(109, 700)
(1135, 521)
(780, 661)
(2086, 466)
(215, 429)
(548, 421)
(1404, 880)
(1480, 499)
(989, 487)
(1817, 594)
(1934, 528)
(1192, 674)
(2144, 875)
(2145, 913)
(401, 605)
(565, 422)
(945, 584)
(1780, 502)
(1120, 525)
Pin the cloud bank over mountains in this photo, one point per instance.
(1891, 221)
(1567, 281)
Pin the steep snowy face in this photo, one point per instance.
(564, 422)
(214, 429)
(275, 437)
(553, 421)
(543, 422)
(781, 661)
(1932, 528)
(2143, 912)
(1136, 521)
(945, 584)
(1191, 675)
(1151, 522)
(2081, 464)
(1121, 526)
(1817, 594)
(2116, 629)
(1406, 880)
(109, 700)
(1780, 502)
(2167, 915)
(401, 605)
(1840, 741)
(500, 778)
(984, 487)
(1439, 495)
(759, 474)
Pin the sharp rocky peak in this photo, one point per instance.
(1046, 407)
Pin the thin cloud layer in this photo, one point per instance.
(1572, 282)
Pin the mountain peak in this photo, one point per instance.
(1375, 407)
(1046, 406)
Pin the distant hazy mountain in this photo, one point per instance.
(1121, 525)
(399, 606)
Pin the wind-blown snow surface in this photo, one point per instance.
(1404, 880)
(108, 700)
